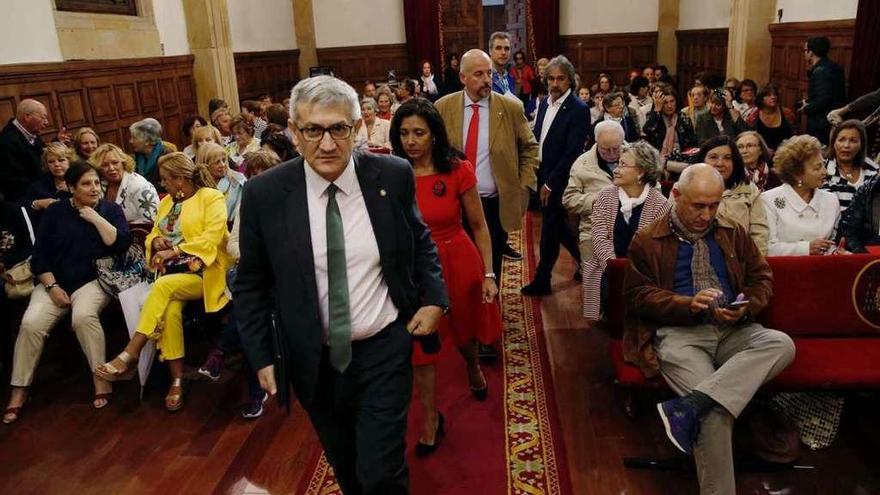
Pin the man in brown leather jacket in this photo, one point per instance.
(684, 272)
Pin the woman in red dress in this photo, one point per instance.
(446, 187)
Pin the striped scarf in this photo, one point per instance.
(702, 272)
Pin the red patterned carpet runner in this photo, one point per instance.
(509, 444)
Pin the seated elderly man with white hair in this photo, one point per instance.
(692, 288)
(591, 172)
(146, 142)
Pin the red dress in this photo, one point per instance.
(439, 199)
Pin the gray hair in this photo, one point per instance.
(371, 102)
(148, 130)
(687, 175)
(647, 158)
(498, 35)
(609, 126)
(324, 91)
(562, 62)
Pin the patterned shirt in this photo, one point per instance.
(843, 188)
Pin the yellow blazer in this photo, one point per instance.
(513, 151)
(203, 224)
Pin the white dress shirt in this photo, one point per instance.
(795, 223)
(369, 301)
(553, 107)
(485, 180)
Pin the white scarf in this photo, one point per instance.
(627, 204)
(429, 85)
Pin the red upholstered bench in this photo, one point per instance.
(829, 305)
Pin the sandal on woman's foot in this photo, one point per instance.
(117, 372)
(11, 415)
(174, 399)
(105, 397)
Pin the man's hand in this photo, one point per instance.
(704, 299)
(545, 195)
(425, 321)
(64, 137)
(59, 297)
(729, 316)
(835, 117)
(267, 379)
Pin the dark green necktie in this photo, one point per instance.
(337, 284)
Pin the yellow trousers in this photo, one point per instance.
(162, 314)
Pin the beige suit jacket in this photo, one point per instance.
(513, 151)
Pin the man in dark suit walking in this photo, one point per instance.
(21, 149)
(826, 88)
(333, 246)
(561, 129)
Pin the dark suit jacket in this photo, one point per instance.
(20, 162)
(276, 273)
(563, 144)
(707, 129)
(826, 91)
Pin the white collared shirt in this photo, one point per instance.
(795, 223)
(369, 301)
(28, 135)
(553, 107)
(485, 180)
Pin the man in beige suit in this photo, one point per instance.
(494, 134)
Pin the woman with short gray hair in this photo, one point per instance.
(146, 142)
(375, 131)
(629, 204)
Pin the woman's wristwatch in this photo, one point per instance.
(51, 286)
(489, 275)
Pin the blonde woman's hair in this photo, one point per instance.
(210, 153)
(77, 136)
(98, 157)
(205, 131)
(180, 165)
(788, 162)
(55, 149)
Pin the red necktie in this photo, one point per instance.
(473, 135)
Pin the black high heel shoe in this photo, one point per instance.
(481, 393)
(423, 449)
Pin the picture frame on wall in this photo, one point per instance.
(121, 7)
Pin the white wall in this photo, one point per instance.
(580, 16)
(171, 23)
(358, 22)
(27, 32)
(261, 26)
(817, 10)
(705, 14)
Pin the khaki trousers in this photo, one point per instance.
(42, 315)
(728, 365)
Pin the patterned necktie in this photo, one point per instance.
(337, 283)
(473, 135)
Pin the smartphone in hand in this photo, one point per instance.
(736, 304)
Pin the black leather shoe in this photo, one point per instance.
(536, 288)
(509, 253)
(481, 393)
(423, 449)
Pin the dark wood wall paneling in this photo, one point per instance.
(787, 66)
(107, 95)
(462, 26)
(357, 64)
(614, 54)
(700, 50)
(272, 72)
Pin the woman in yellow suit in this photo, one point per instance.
(187, 246)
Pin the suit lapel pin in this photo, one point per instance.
(382, 192)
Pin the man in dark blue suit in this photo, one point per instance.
(561, 129)
(334, 253)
